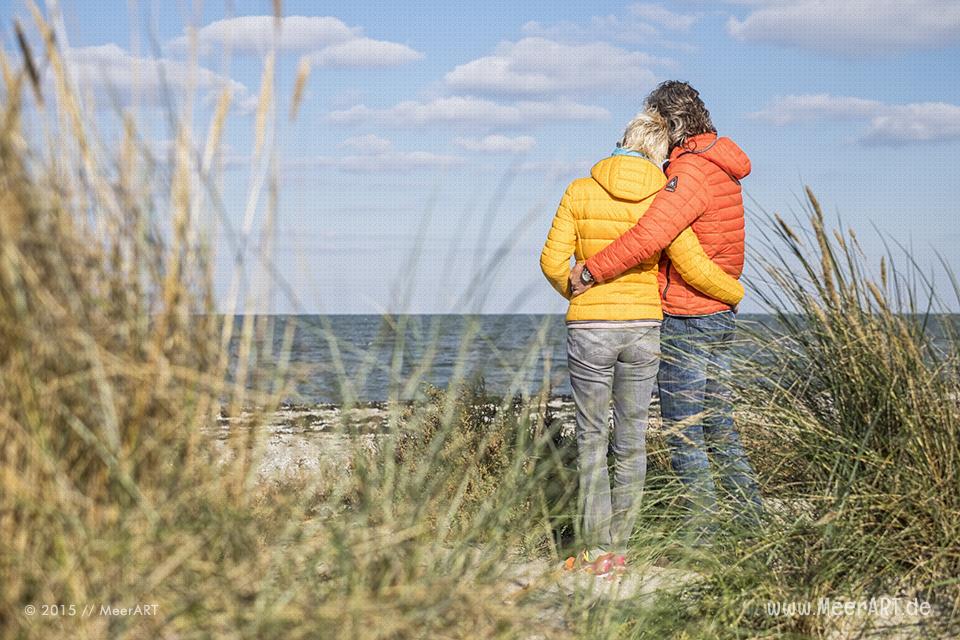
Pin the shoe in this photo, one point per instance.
(583, 560)
(609, 564)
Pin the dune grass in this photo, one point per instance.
(113, 370)
(848, 406)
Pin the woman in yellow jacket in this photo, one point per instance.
(613, 329)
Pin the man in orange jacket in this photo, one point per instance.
(703, 192)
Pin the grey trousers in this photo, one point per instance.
(619, 364)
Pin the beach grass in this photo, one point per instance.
(449, 522)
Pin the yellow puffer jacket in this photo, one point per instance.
(597, 210)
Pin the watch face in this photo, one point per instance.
(585, 276)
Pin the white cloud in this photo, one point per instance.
(888, 124)
(851, 27)
(385, 161)
(397, 161)
(371, 142)
(920, 122)
(364, 52)
(469, 111)
(375, 154)
(598, 27)
(254, 34)
(327, 41)
(789, 109)
(538, 66)
(495, 143)
(109, 71)
(660, 15)
(640, 25)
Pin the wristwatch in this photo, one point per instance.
(585, 276)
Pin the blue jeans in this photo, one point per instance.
(619, 365)
(695, 400)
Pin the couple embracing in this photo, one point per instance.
(658, 256)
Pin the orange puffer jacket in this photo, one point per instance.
(596, 210)
(703, 192)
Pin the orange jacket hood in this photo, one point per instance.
(703, 191)
(723, 152)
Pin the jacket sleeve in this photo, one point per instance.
(560, 245)
(699, 271)
(679, 203)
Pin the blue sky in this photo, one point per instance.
(434, 139)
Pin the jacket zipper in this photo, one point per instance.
(667, 288)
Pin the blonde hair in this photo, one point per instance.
(647, 133)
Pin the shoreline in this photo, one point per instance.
(300, 438)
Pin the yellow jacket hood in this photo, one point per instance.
(628, 177)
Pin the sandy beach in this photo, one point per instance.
(300, 439)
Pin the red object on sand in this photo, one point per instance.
(607, 564)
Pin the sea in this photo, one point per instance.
(374, 358)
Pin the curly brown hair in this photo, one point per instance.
(682, 108)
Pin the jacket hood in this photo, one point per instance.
(628, 177)
(722, 152)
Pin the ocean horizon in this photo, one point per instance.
(373, 358)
